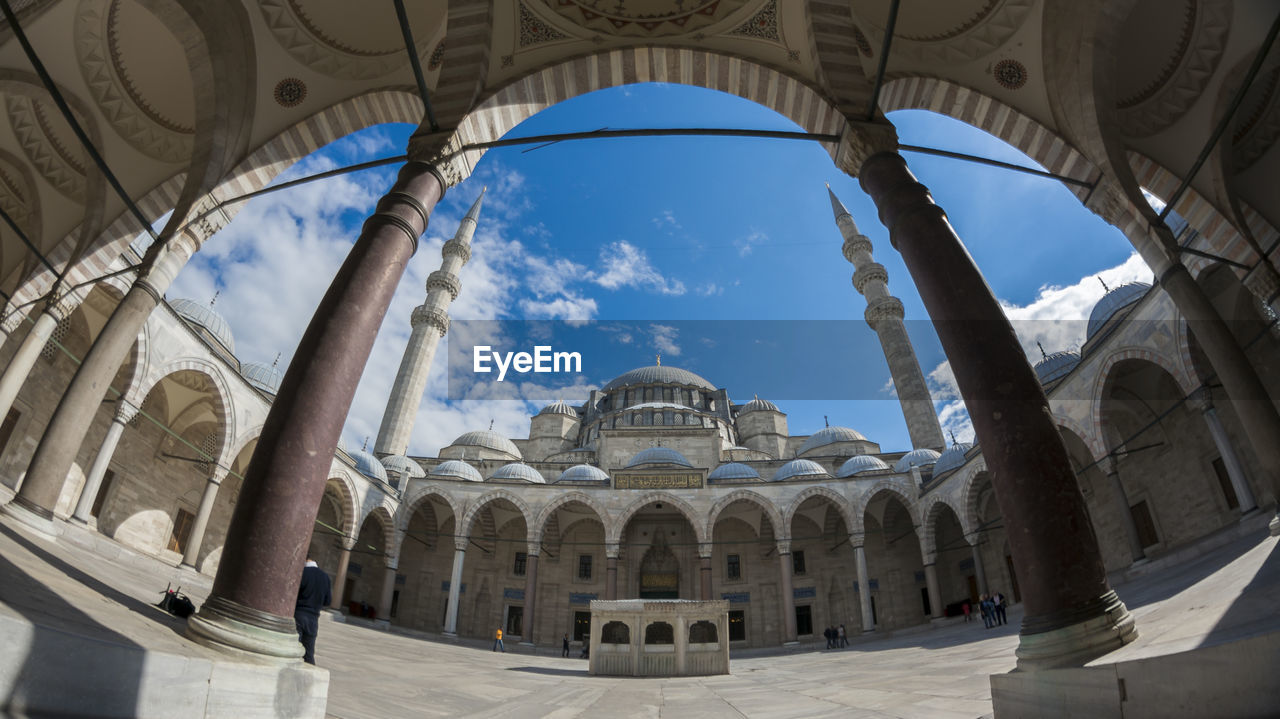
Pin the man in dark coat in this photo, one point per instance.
(313, 595)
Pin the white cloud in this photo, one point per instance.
(710, 289)
(664, 338)
(746, 244)
(625, 265)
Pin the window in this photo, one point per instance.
(584, 566)
(515, 621)
(737, 625)
(659, 633)
(101, 499)
(181, 531)
(797, 562)
(582, 627)
(804, 620)
(521, 560)
(733, 567)
(614, 633)
(395, 602)
(703, 633)
(1224, 481)
(6, 429)
(1145, 525)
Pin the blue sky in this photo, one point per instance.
(657, 231)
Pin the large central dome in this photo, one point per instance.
(658, 374)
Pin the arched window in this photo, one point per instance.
(703, 632)
(659, 633)
(615, 633)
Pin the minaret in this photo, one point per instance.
(430, 321)
(884, 315)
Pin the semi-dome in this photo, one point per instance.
(658, 455)
(733, 470)
(488, 439)
(859, 464)
(456, 469)
(1056, 366)
(915, 458)
(799, 468)
(368, 465)
(830, 435)
(264, 377)
(953, 458)
(579, 472)
(1112, 302)
(203, 315)
(402, 465)
(759, 405)
(659, 374)
(519, 470)
(559, 407)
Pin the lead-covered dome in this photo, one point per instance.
(915, 458)
(403, 466)
(799, 468)
(859, 464)
(559, 407)
(734, 470)
(520, 471)
(759, 405)
(658, 455)
(952, 459)
(659, 374)
(583, 472)
(830, 435)
(1056, 366)
(488, 439)
(368, 465)
(1112, 302)
(204, 316)
(457, 470)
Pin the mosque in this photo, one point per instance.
(131, 419)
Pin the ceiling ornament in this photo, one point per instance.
(968, 30)
(762, 26)
(304, 37)
(290, 92)
(1164, 99)
(437, 56)
(1257, 125)
(533, 31)
(13, 196)
(60, 165)
(864, 46)
(644, 18)
(1010, 74)
(146, 129)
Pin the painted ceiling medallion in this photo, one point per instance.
(437, 56)
(107, 37)
(290, 92)
(954, 31)
(49, 151)
(1010, 73)
(644, 18)
(763, 25)
(533, 31)
(342, 40)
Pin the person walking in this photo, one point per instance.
(497, 641)
(968, 611)
(313, 595)
(565, 653)
(998, 604)
(844, 638)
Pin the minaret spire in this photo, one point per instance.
(884, 314)
(430, 321)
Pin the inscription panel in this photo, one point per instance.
(657, 480)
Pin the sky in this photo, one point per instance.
(719, 253)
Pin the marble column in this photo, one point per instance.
(864, 588)
(125, 412)
(388, 590)
(192, 554)
(1072, 614)
(455, 587)
(1111, 466)
(15, 375)
(704, 561)
(1235, 471)
(931, 585)
(978, 569)
(250, 607)
(340, 578)
(530, 593)
(611, 572)
(788, 595)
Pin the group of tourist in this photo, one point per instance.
(992, 607)
(835, 637)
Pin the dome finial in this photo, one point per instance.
(1043, 354)
(659, 358)
(365, 447)
(1104, 284)
(276, 361)
(826, 422)
(490, 424)
(952, 432)
(214, 301)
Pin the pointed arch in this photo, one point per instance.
(613, 534)
(1185, 384)
(469, 517)
(410, 505)
(746, 495)
(841, 504)
(544, 515)
(894, 487)
(928, 519)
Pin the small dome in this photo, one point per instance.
(733, 470)
(859, 464)
(456, 469)
(559, 407)
(915, 458)
(657, 374)
(488, 439)
(203, 315)
(799, 468)
(264, 377)
(658, 455)
(830, 435)
(402, 465)
(1112, 302)
(952, 459)
(759, 405)
(519, 470)
(368, 465)
(1056, 366)
(583, 472)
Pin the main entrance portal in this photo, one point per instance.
(659, 572)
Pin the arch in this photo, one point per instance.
(893, 487)
(928, 518)
(210, 370)
(469, 518)
(347, 498)
(841, 504)
(613, 534)
(746, 495)
(409, 506)
(1103, 376)
(544, 514)
(382, 515)
(241, 441)
(1086, 435)
(525, 96)
(971, 496)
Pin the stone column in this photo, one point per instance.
(864, 587)
(1235, 471)
(611, 572)
(1072, 615)
(33, 506)
(530, 592)
(704, 560)
(250, 607)
(1111, 466)
(125, 413)
(388, 590)
(15, 375)
(455, 587)
(978, 568)
(198, 528)
(788, 595)
(931, 584)
(340, 579)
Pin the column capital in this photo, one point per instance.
(1108, 201)
(347, 543)
(10, 318)
(1200, 400)
(533, 549)
(784, 546)
(125, 411)
(974, 539)
(440, 150)
(1263, 282)
(59, 304)
(860, 140)
(705, 550)
(1110, 465)
(460, 543)
(611, 551)
(392, 563)
(857, 540)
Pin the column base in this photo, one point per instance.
(29, 519)
(244, 632)
(1274, 525)
(1076, 635)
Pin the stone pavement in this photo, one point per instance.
(89, 585)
